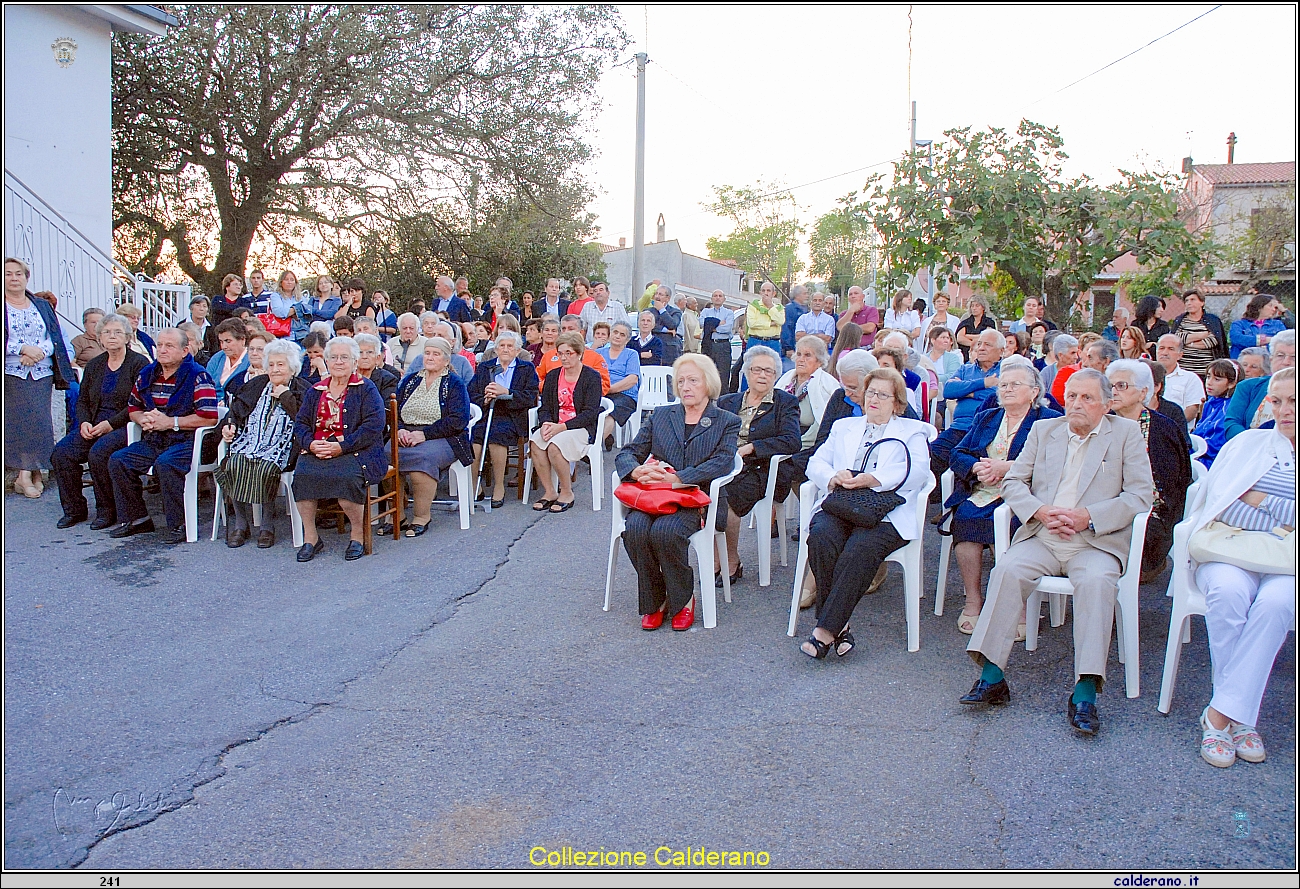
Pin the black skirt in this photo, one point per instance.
(341, 477)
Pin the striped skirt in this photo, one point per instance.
(248, 479)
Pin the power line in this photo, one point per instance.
(1122, 58)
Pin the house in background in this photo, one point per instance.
(666, 261)
(58, 148)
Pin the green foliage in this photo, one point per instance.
(998, 199)
(1006, 300)
(843, 245)
(765, 230)
(299, 124)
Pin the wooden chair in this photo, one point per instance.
(391, 485)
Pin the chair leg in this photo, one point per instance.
(464, 493)
(1033, 614)
(708, 602)
(941, 586)
(519, 470)
(218, 509)
(910, 561)
(1126, 608)
(1056, 609)
(191, 507)
(295, 517)
(1178, 623)
(597, 474)
(757, 514)
(609, 571)
(526, 486)
(783, 532)
(367, 534)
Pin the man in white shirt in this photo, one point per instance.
(816, 322)
(1182, 387)
(601, 308)
(259, 292)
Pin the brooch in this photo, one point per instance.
(705, 423)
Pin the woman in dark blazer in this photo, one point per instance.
(432, 419)
(978, 463)
(566, 422)
(769, 425)
(691, 442)
(101, 426)
(506, 386)
(340, 436)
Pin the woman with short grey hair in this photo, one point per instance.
(976, 322)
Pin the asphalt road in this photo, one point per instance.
(461, 699)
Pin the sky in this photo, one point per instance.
(801, 94)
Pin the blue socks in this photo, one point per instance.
(992, 673)
(1085, 691)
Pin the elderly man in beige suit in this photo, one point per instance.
(1076, 486)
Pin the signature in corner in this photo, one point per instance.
(71, 811)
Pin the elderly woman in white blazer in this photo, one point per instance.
(1252, 485)
(809, 382)
(843, 557)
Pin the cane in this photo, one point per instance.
(487, 430)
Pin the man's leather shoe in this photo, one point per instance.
(1084, 717)
(354, 551)
(984, 693)
(236, 538)
(103, 522)
(174, 536)
(265, 538)
(308, 551)
(652, 621)
(69, 520)
(126, 529)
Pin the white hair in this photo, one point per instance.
(1023, 365)
(369, 339)
(324, 327)
(287, 348)
(761, 352)
(346, 342)
(408, 315)
(508, 335)
(1285, 338)
(1141, 374)
(856, 362)
(1063, 344)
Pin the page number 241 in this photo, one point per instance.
(115, 882)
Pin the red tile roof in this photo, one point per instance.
(1219, 289)
(1247, 174)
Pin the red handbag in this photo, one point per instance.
(661, 498)
(275, 325)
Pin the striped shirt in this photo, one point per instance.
(1278, 508)
(205, 395)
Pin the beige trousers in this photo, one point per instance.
(1095, 577)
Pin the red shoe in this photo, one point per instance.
(652, 621)
(685, 618)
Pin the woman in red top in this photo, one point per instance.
(566, 422)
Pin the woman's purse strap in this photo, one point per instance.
(906, 452)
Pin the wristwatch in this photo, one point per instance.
(176, 424)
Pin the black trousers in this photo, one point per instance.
(659, 548)
(720, 352)
(70, 455)
(844, 559)
(1157, 543)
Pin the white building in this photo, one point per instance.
(58, 184)
(665, 261)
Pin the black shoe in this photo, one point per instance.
(414, 530)
(1083, 717)
(308, 551)
(126, 529)
(354, 551)
(499, 504)
(177, 535)
(103, 522)
(385, 529)
(609, 442)
(740, 572)
(69, 520)
(983, 693)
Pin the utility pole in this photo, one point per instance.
(638, 203)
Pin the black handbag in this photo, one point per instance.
(863, 507)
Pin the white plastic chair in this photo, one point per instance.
(761, 517)
(703, 542)
(655, 391)
(945, 543)
(286, 488)
(197, 467)
(458, 482)
(909, 557)
(1199, 449)
(595, 456)
(1126, 599)
(1188, 601)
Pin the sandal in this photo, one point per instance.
(844, 642)
(1248, 743)
(542, 505)
(1216, 744)
(966, 623)
(820, 648)
(557, 506)
(1020, 632)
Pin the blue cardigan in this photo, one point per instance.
(1246, 399)
(363, 426)
(975, 445)
(454, 424)
(63, 373)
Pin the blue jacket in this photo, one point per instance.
(1210, 428)
(1245, 401)
(236, 379)
(62, 366)
(454, 424)
(363, 426)
(975, 445)
(792, 312)
(967, 386)
(307, 311)
(1244, 332)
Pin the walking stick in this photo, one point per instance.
(487, 430)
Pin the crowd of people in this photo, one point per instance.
(1076, 435)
